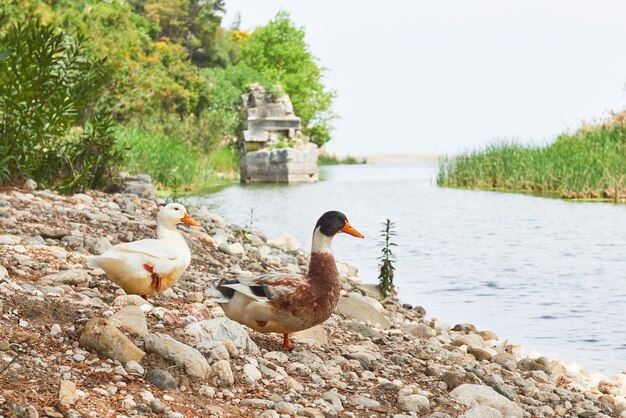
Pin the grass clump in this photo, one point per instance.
(332, 159)
(589, 163)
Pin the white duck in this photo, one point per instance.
(288, 302)
(150, 266)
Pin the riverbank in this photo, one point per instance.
(589, 163)
(369, 359)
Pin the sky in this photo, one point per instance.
(445, 76)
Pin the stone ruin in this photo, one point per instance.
(269, 125)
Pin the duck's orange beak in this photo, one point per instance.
(348, 229)
(189, 221)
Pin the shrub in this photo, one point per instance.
(48, 83)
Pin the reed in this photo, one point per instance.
(589, 163)
(171, 162)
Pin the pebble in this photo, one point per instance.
(162, 379)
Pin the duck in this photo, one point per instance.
(149, 266)
(285, 303)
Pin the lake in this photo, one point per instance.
(545, 273)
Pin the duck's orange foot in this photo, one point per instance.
(286, 343)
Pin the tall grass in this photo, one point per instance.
(589, 163)
(332, 159)
(171, 162)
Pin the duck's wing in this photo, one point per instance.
(150, 247)
(130, 259)
(261, 288)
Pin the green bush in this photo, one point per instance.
(48, 83)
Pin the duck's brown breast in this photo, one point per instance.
(315, 301)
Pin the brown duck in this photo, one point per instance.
(288, 302)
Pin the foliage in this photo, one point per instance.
(165, 68)
(386, 268)
(48, 84)
(224, 160)
(279, 51)
(588, 163)
(332, 159)
(169, 161)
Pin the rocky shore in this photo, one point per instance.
(72, 344)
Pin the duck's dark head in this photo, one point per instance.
(333, 222)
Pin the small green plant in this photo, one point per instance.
(386, 267)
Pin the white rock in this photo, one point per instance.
(219, 329)
(55, 329)
(471, 395)
(414, 403)
(284, 242)
(252, 372)
(353, 306)
(482, 411)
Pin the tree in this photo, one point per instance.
(279, 51)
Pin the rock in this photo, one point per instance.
(67, 392)
(104, 338)
(285, 408)
(69, 277)
(269, 413)
(236, 249)
(4, 274)
(470, 340)
(421, 331)
(53, 232)
(455, 379)
(284, 242)
(314, 335)
(97, 245)
(133, 367)
(488, 335)
(472, 395)
(184, 356)
(55, 329)
(529, 364)
(222, 374)
(130, 300)
(156, 405)
(465, 328)
(506, 360)
(30, 185)
(479, 354)
(354, 307)
(364, 330)
(140, 185)
(132, 320)
(414, 403)
(219, 329)
(311, 413)
(251, 372)
(162, 379)
(363, 401)
(482, 411)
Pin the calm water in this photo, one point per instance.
(544, 273)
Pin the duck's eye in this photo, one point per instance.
(175, 208)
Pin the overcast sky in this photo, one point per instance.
(444, 76)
